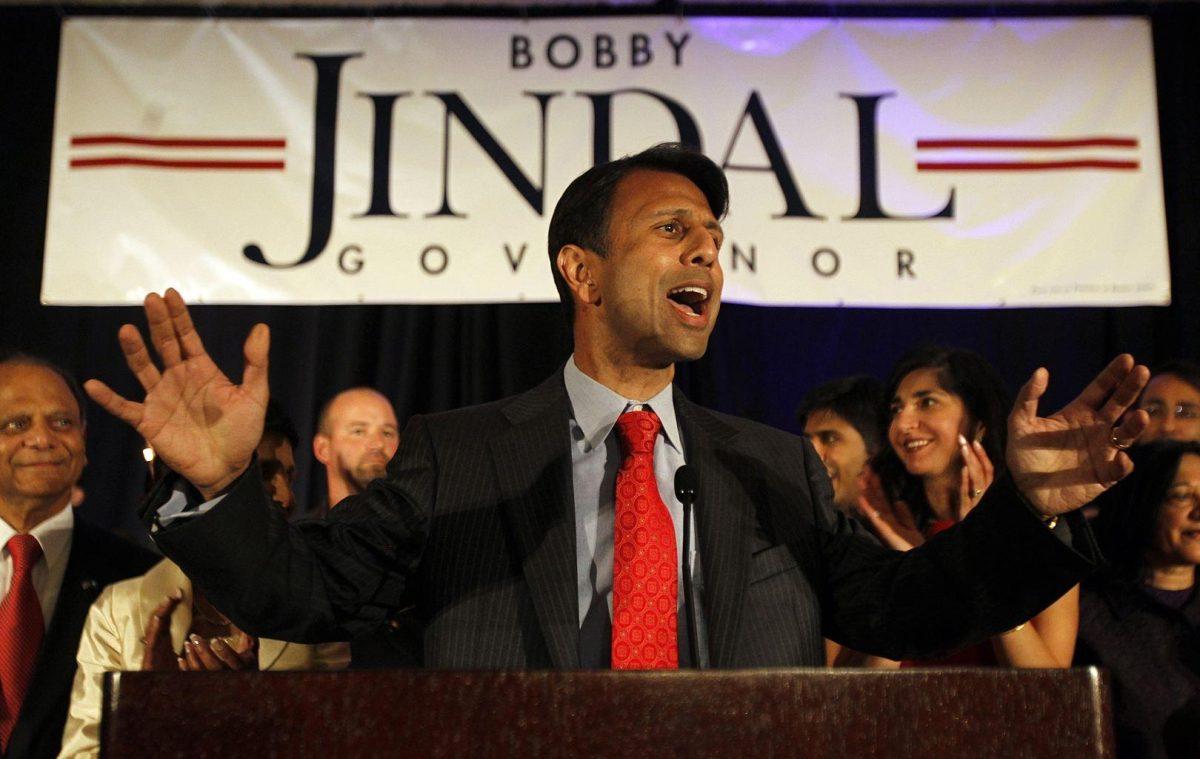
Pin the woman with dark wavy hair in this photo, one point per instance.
(1140, 617)
(947, 434)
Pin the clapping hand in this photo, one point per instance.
(159, 653)
(237, 652)
(202, 425)
(977, 476)
(892, 521)
(1064, 461)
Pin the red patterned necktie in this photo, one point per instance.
(645, 570)
(21, 631)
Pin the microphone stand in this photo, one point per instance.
(685, 491)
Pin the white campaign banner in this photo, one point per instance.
(875, 162)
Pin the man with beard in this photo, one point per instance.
(357, 435)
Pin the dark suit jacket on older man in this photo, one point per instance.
(97, 559)
(474, 529)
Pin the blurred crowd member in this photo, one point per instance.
(1140, 617)
(1172, 399)
(843, 420)
(277, 457)
(52, 563)
(357, 435)
(947, 439)
(159, 621)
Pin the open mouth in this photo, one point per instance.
(691, 300)
(915, 445)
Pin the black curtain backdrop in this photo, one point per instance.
(759, 364)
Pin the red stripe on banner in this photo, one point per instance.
(156, 163)
(178, 142)
(1036, 143)
(1025, 165)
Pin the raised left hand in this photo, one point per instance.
(1064, 461)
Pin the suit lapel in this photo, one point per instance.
(723, 526)
(75, 597)
(533, 467)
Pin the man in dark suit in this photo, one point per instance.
(52, 565)
(509, 527)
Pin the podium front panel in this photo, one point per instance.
(932, 713)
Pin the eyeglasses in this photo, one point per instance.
(1183, 495)
(1160, 410)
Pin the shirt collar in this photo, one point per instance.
(596, 407)
(53, 535)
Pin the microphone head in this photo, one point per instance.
(686, 484)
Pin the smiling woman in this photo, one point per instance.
(1141, 617)
(947, 431)
(947, 436)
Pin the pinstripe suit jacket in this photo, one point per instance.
(473, 532)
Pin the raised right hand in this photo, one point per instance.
(978, 473)
(202, 425)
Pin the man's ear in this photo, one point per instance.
(575, 265)
(321, 447)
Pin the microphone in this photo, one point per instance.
(686, 488)
(685, 485)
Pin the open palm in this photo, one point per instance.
(1065, 460)
(199, 423)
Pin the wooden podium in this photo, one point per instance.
(930, 714)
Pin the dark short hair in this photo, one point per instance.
(581, 216)
(277, 422)
(969, 376)
(1187, 371)
(1129, 510)
(857, 399)
(20, 358)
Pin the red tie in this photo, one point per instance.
(645, 571)
(21, 631)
